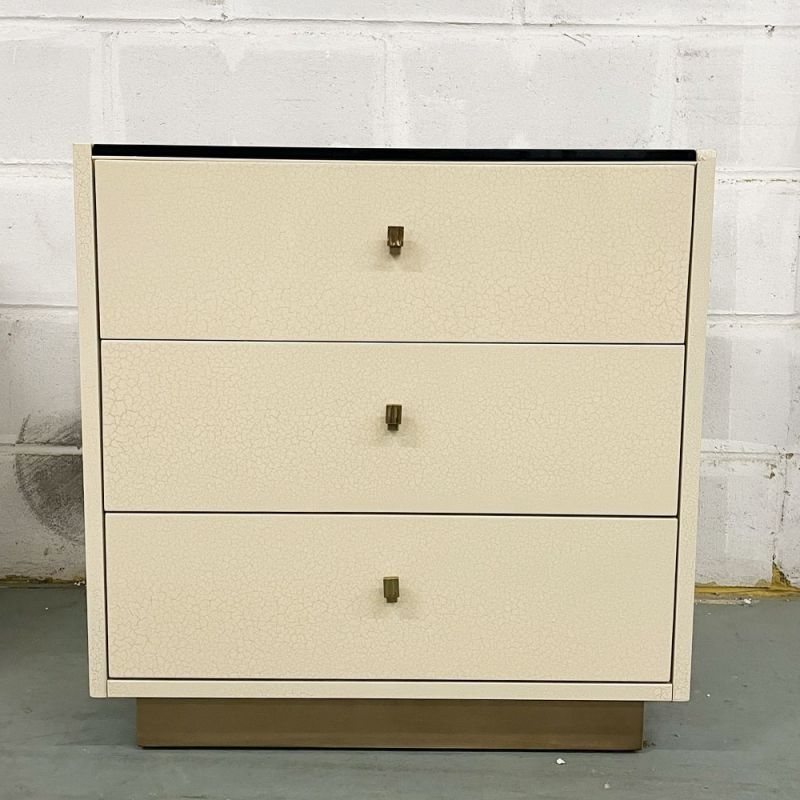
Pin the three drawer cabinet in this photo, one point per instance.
(391, 447)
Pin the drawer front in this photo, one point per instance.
(256, 426)
(301, 596)
(298, 250)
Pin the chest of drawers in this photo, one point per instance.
(391, 426)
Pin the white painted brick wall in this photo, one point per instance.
(380, 10)
(742, 91)
(675, 13)
(442, 73)
(114, 9)
(754, 259)
(39, 354)
(283, 87)
(36, 239)
(531, 88)
(751, 385)
(787, 545)
(50, 92)
(740, 517)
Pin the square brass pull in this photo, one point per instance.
(391, 589)
(394, 416)
(394, 238)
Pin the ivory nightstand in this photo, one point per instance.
(391, 447)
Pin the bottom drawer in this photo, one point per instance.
(301, 596)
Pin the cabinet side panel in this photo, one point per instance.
(90, 419)
(692, 416)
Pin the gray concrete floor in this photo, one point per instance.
(739, 737)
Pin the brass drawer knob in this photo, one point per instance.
(394, 238)
(391, 589)
(394, 416)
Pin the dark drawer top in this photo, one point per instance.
(383, 153)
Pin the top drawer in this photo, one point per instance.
(236, 249)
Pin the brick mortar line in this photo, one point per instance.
(108, 105)
(777, 320)
(39, 449)
(195, 24)
(44, 307)
(744, 455)
(738, 175)
(381, 118)
(55, 170)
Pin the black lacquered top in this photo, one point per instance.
(383, 153)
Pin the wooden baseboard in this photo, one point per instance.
(408, 724)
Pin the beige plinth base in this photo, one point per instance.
(423, 724)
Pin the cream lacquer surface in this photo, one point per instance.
(596, 256)
(442, 690)
(91, 435)
(692, 423)
(547, 429)
(297, 250)
(300, 596)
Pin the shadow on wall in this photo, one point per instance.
(52, 484)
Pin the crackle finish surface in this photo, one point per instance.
(543, 329)
(300, 596)
(692, 424)
(297, 250)
(91, 435)
(221, 426)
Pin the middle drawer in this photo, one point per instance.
(511, 429)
